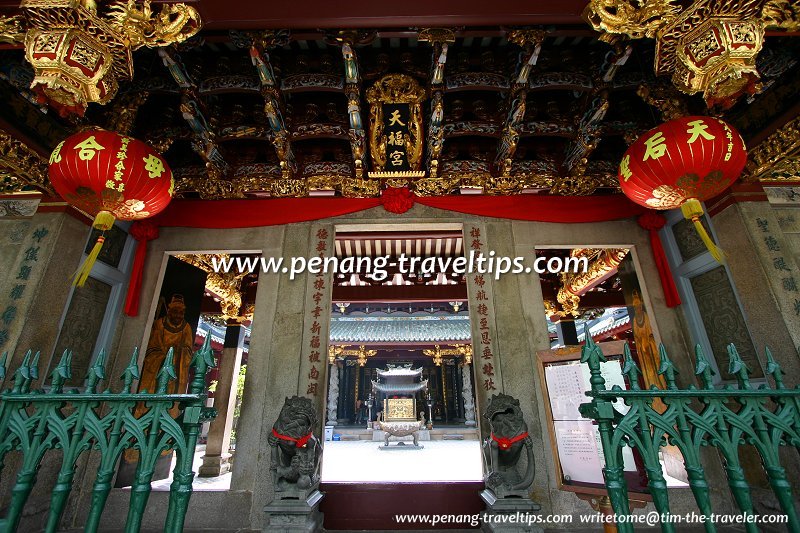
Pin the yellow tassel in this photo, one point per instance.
(692, 210)
(86, 267)
(103, 221)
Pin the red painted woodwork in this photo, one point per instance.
(372, 506)
(249, 14)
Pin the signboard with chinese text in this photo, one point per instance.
(395, 124)
(395, 127)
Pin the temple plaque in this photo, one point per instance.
(397, 409)
(395, 124)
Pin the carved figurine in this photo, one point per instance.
(296, 451)
(504, 448)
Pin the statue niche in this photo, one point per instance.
(504, 449)
(296, 451)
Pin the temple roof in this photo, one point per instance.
(400, 329)
(404, 370)
(400, 388)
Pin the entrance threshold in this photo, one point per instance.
(375, 506)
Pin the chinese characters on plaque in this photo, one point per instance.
(395, 127)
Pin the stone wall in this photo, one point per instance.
(278, 364)
(762, 243)
(38, 256)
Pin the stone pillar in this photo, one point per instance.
(216, 461)
(333, 394)
(466, 392)
(567, 334)
(344, 396)
(766, 277)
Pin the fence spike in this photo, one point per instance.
(774, 369)
(204, 357)
(593, 356)
(703, 368)
(666, 368)
(34, 368)
(97, 372)
(629, 367)
(3, 365)
(62, 371)
(167, 373)
(131, 371)
(202, 360)
(22, 374)
(738, 367)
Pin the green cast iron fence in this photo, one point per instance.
(74, 422)
(728, 417)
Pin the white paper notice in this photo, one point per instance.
(566, 387)
(578, 439)
(577, 451)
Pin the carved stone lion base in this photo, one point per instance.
(509, 507)
(294, 516)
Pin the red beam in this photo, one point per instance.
(253, 14)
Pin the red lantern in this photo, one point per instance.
(111, 177)
(682, 163)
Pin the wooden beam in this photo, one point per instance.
(400, 293)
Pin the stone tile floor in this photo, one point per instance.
(364, 461)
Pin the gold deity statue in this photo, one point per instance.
(169, 331)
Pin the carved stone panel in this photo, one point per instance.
(111, 253)
(723, 320)
(82, 326)
(689, 243)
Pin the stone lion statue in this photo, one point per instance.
(504, 448)
(296, 451)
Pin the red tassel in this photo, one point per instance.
(142, 231)
(653, 222)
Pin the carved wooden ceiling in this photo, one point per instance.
(265, 113)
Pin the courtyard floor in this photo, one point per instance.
(364, 461)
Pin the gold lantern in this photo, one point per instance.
(78, 55)
(71, 68)
(719, 59)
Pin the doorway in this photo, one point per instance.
(400, 335)
(199, 300)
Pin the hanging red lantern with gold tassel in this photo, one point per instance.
(111, 177)
(681, 163)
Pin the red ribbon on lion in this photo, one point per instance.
(506, 442)
(298, 442)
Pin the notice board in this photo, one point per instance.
(575, 440)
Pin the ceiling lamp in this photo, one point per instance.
(456, 306)
(78, 55)
(342, 306)
(708, 46)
